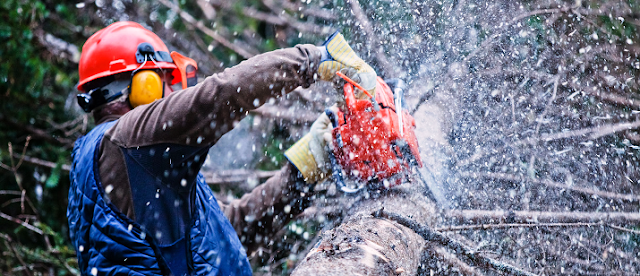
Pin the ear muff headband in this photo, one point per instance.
(146, 87)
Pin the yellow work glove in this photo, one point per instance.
(311, 153)
(338, 55)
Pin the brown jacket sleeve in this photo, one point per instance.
(198, 116)
(269, 207)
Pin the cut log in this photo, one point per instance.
(365, 245)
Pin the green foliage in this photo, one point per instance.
(35, 82)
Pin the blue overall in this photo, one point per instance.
(179, 230)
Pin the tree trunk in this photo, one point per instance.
(363, 244)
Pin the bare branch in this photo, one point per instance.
(372, 37)
(636, 232)
(298, 7)
(38, 133)
(514, 225)
(213, 34)
(58, 47)
(8, 243)
(45, 163)
(285, 20)
(550, 183)
(478, 216)
(499, 32)
(26, 225)
(229, 176)
(592, 133)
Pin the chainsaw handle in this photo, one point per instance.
(349, 93)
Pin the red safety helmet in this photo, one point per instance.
(117, 49)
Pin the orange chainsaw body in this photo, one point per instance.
(368, 143)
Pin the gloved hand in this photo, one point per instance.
(337, 55)
(311, 153)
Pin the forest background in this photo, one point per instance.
(543, 115)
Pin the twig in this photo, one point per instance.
(43, 163)
(478, 216)
(594, 132)
(430, 235)
(37, 133)
(285, 20)
(591, 133)
(26, 225)
(22, 155)
(7, 192)
(612, 98)
(498, 32)
(8, 243)
(372, 37)
(636, 232)
(297, 7)
(213, 34)
(550, 183)
(556, 80)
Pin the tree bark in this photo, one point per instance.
(365, 245)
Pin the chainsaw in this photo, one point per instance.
(374, 142)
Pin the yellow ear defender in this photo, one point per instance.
(146, 87)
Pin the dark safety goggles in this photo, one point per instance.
(102, 95)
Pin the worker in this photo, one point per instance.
(137, 202)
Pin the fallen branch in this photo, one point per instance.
(591, 133)
(433, 236)
(480, 216)
(231, 176)
(454, 228)
(490, 226)
(550, 183)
